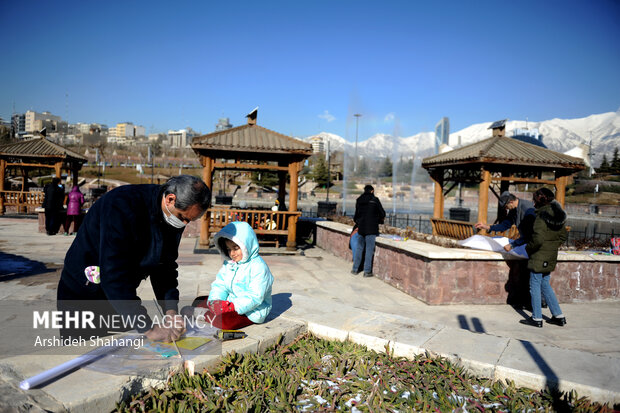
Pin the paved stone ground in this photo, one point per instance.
(317, 290)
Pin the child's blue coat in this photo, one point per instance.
(247, 284)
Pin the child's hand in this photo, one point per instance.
(221, 306)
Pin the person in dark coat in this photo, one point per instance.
(549, 233)
(520, 213)
(369, 214)
(131, 233)
(53, 201)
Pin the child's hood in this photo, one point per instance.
(241, 234)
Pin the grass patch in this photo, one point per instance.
(131, 175)
(312, 374)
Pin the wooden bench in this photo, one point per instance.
(269, 226)
(462, 230)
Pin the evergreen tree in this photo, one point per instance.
(386, 168)
(268, 179)
(604, 167)
(320, 174)
(5, 135)
(404, 168)
(615, 163)
(362, 168)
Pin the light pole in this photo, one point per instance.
(357, 118)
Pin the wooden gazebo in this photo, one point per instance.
(494, 164)
(253, 148)
(22, 157)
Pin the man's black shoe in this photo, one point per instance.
(367, 274)
(558, 321)
(531, 322)
(354, 272)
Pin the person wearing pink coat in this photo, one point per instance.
(75, 200)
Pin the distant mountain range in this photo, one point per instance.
(560, 135)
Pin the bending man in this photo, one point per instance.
(131, 233)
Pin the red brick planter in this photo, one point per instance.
(438, 275)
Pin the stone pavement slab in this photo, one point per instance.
(316, 292)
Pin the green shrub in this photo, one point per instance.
(311, 374)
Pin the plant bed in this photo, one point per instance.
(312, 374)
(405, 233)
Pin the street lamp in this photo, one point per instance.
(357, 118)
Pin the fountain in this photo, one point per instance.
(395, 141)
(414, 170)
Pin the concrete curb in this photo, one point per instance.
(510, 365)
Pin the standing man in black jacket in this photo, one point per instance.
(369, 214)
(129, 234)
(53, 202)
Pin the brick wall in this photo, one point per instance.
(478, 281)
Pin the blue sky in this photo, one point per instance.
(310, 65)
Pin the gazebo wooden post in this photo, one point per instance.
(2, 168)
(58, 169)
(282, 187)
(504, 186)
(483, 199)
(291, 242)
(75, 173)
(22, 197)
(560, 189)
(439, 198)
(207, 177)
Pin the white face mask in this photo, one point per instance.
(173, 220)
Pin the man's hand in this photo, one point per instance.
(482, 225)
(171, 328)
(507, 247)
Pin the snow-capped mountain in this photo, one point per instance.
(560, 135)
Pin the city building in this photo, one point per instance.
(82, 127)
(18, 125)
(318, 144)
(442, 133)
(532, 136)
(120, 140)
(223, 124)
(129, 130)
(31, 117)
(180, 138)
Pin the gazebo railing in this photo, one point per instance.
(22, 199)
(462, 230)
(263, 222)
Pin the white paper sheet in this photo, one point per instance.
(483, 242)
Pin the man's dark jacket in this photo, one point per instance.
(124, 233)
(522, 217)
(368, 214)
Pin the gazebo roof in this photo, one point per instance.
(40, 148)
(505, 151)
(250, 142)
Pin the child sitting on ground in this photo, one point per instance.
(241, 292)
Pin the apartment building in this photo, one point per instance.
(31, 117)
